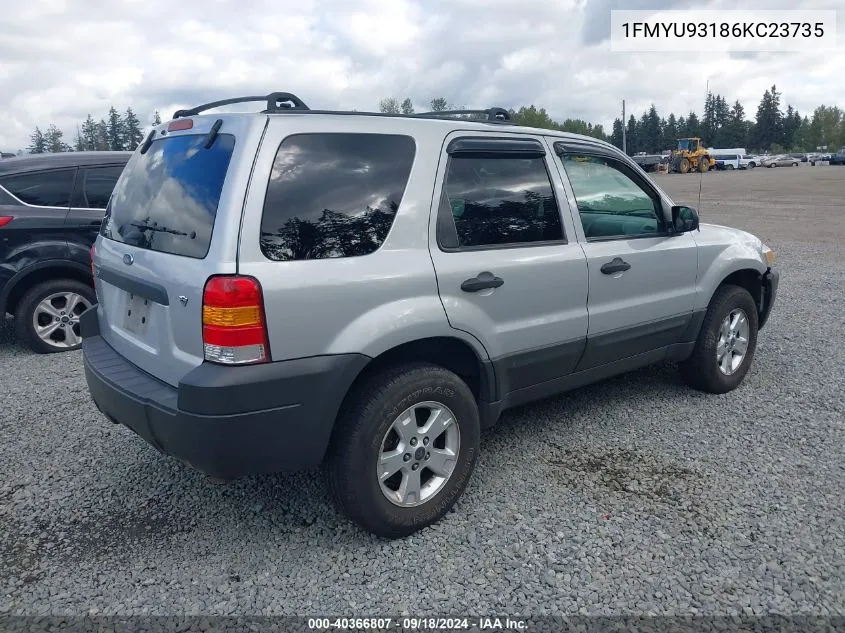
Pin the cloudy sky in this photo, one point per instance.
(61, 59)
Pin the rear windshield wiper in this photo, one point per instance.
(159, 229)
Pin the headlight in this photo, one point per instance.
(768, 255)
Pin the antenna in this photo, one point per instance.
(701, 173)
(624, 123)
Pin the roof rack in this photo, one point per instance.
(493, 114)
(281, 102)
(276, 102)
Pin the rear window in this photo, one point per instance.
(166, 199)
(334, 195)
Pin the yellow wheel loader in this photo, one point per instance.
(690, 156)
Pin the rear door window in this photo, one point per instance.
(498, 201)
(334, 194)
(96, 185)
(43, 189)
(166, 199)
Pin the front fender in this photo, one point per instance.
(722, 252)
(392, 324)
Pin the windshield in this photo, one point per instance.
(166, 199)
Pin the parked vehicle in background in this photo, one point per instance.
(748, 162)
(6, 155)
(838, 158)
(727, 161)
(370, 291)
(727, 150)
(779, 160)
(650, 162)
(51, 207)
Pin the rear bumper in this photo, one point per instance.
(224, 421)
(771, 279)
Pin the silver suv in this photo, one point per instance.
(291, 288)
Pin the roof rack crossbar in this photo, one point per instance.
(493, 114)
(275, 101)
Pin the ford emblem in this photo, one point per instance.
(128, 259)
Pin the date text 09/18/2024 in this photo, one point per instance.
(418, 624)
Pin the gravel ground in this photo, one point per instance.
(636, 495)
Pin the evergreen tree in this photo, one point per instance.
(37, 143)
(692, 126)
(670, 132)
(115, 130)
(101, 136)
(89, 134)
(708, 122)
(791, 123)
(721, 119)
(632, 137)
(79, 143)
(735, 131)
(132, 132)
(616, 134)
(53, 140)
(768, 128)
(650, 133)
(407, 107)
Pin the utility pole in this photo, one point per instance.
(624, 125)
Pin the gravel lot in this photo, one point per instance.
(636, 495)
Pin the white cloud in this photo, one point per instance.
(60, 60)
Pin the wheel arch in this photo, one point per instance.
(449, 352)
(751, 280)
(39, 273)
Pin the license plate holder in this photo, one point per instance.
(137, 319)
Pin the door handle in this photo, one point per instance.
(482, 281)
(616, 265)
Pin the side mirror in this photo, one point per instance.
(684, 219)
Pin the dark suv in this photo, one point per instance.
(51, 207)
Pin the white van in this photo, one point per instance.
(727, 161)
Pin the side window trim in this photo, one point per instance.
(75, 171)
(486, 147)
(492, 147)
(562, 149)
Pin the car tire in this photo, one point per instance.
(45, 320)
(715, 350)
(366, 430)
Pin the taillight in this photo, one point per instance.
(234, 329)
(5, 219)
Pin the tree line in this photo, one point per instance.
(529, 116)
(114, 132)
(721, 124)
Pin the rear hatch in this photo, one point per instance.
(172, 222)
